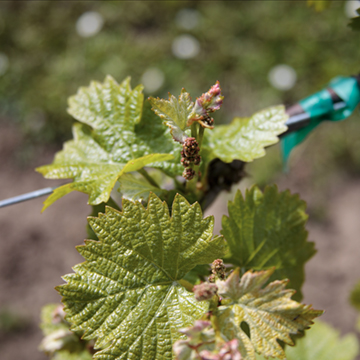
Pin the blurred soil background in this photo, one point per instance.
(263, 53)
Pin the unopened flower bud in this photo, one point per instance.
(185, 162)
(197, 160)
(207, 122)
(188, 174)
(190, 147)
(218, 269)
(204, 291)
(212, 278)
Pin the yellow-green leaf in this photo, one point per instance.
(246, 138)
(322, 342)
(127, 294)
(174, 112)
(134, 188)
(268, 311)
(116, 137)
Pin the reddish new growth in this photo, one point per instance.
(190, 155)
(204, 291)
(211, 100)
(228, 351)
(206, 104)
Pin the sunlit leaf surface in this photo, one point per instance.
(117, 136)
(127, 294)
(245, 138)
(268, 311)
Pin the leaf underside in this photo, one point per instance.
(127, 294)
(117, 135)
(265, 230)
(269, 312)
(245, 138)
(133, 188)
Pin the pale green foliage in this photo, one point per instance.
(245, 138)
(322, 342)
(174, 112)
(135, 188)
(355, 296)
(355, 301)
(121, 139)
(127, 294)
(66, 355)
(269, 312)
(265, 230)
(59, 342)
(319, 5)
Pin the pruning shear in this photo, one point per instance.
(335, 102)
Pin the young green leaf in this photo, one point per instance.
(92, 168)
(127, 295)
(134, 188)
(174, 112)
(116, 144)
(245, 138)
(322, 342)
(266, 230)
(355, 296)
(269, 312)
(59, 342)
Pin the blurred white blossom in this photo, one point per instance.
(89, 24)
(282, 77)
(185, 47)
(152, 79)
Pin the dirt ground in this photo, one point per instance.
(37, 249)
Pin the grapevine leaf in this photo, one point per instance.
(266, 230)
(154, 137)
(52, 319)
(134, 188)
(355, 296)
(58, 340)
(66, 355)
(245, 138)
(110, 142)
(269, 312)
(127, 294)
(322, 342)
(92, 168)
(174, 112)
(95, 210)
